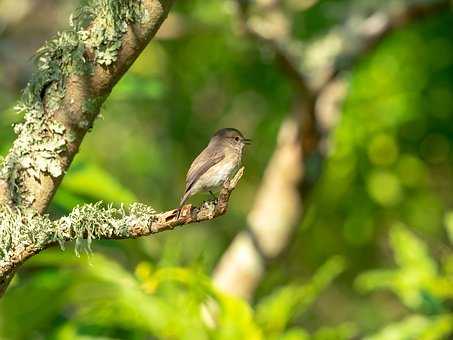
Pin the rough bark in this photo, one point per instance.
(75, 73)
(83, 94)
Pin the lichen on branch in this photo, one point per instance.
(94, 38)
(74, 74)
(24, 232)
(27, 229)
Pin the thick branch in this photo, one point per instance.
(93, 221)
(76, 72)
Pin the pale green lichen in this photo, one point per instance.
(103, 35)
(96, 28)
(26, 229)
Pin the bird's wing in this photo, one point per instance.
(199, 167)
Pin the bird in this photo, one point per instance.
(216, 163)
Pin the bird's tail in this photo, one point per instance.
(184, 198)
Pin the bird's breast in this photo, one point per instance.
(219, 173)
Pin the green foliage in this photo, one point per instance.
(419, 284)
(391, 150)
(416, 270)
(277, 310)
(167, 302)
(88, 182)
(416, 327)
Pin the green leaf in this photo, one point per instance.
(415, 280)
(294, 334)
(340, 332)
(275, 311)
(417, 327)
(236, 320)
(410, 252)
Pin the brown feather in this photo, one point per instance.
(209, 157)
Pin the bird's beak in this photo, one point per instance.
(247, 141)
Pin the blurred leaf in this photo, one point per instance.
(340, 332)
(384, 187)
(135, 86)
(440, 327)
(414, 280)
(236, 320)
(410, 252)
(409, 328)
(274, 312)
(295, 334)
(38, 301)
(416, 327)
(87, 181)
(383, 149)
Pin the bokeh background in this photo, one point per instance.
(371, 257)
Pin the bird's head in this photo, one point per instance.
(231, 137)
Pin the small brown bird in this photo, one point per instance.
(216, 163)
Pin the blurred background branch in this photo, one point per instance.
(361, 35)
(303, 138)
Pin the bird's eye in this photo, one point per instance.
(236, 139)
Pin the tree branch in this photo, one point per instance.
(25, 234)
(365, 36)
(302, 139)
(285, 59)
(75, 73)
